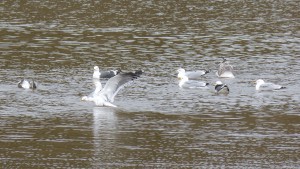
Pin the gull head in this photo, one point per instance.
(96, 74)
(258, 83)
(181, 73)
(218, 82)
(96, 68)
(84, 98)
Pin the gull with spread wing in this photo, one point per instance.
(106, 96)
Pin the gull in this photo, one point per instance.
(191, 74)
(106, 96)
(98, 88)
(262, 85)
(104, 74)
(225, 69)
(221, 88)
(191, 84)
(26, 84)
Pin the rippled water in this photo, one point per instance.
(156, 124)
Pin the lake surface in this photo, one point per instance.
(156, 124)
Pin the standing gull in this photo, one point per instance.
(225, 69)
(106, 96)
(26, 84)
(262, 85)
(221, 88)
(191, 74)
(104, 74)
(191, 84)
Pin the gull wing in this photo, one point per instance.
(109, 73)
(116, 83)
(196, 74)
(270, 86)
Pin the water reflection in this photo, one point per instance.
(105, 123)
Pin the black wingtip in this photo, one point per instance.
(224, 59)
(119, 70)
(20, 83)
(33, 85)
(138, 72)
(207, 84)
(283, 87)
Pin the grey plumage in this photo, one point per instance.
(225, 69)
(192, 75)
(106, 96)
(109, 73)
(262, 85)
(104, 74)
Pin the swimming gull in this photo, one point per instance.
(191, 84)
(98, 88)
(262, 85)
(221, 88)
(106, 96)
(104, 74)
(225, 69)
(26, 84)
(191, 74)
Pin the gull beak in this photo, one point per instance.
(253, 82)
(180, 78)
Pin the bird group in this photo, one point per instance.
(104, 96)
(190, 79)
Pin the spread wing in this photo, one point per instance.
(116, 83)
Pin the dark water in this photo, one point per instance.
(156, 124)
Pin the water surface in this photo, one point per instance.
(156, 124)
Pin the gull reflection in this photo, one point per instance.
(104, 131)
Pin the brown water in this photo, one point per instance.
(156, 124)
